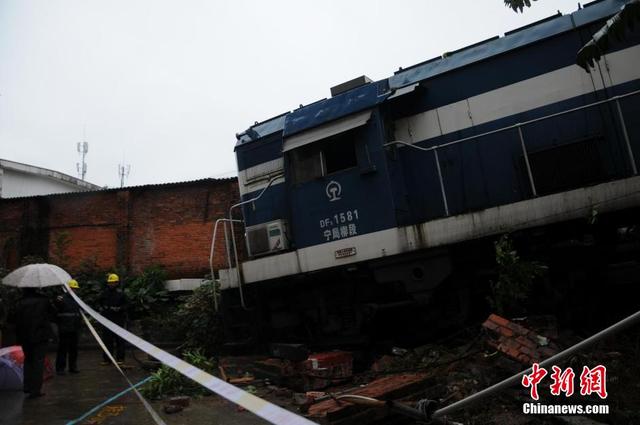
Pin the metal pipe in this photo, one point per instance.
(394, 406)
(233, 235)
(213, 242)
(526, 161)
(444, 195)
(213, 277)
(455, 142)
(632, 158)
(227, 246)
(362, 400)
(551, 360)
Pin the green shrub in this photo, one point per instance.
(513, 287)
(167, 382)
(200, 324)
(146, 294)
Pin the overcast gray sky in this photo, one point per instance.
(167, 84)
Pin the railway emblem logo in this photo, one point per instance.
(333, 191)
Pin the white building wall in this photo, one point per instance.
(15, 184)
(18, 180)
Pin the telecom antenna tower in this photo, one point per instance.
(83, 148)
(123, 172)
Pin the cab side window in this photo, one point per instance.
(328, 156)
(306, 163)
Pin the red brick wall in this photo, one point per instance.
(11, 218)
(168, 225)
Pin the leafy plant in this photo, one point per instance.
(512, 289)
(517, 5)
(200, 324)
(146, 293)
(168, 382)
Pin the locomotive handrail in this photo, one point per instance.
(233, 236)
(512, 126)
(525, 154)
(226, 246)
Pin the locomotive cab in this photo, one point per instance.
(337, 182)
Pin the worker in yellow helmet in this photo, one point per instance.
(113, 305)
(68, 320)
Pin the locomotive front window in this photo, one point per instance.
(339, 152)
(325, 157)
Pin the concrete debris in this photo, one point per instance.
(176, 404)
(183, 401)
(518, 342)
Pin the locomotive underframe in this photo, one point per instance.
(407, 299)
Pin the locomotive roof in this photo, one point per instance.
(371, 94)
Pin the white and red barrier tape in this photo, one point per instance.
(268, 411)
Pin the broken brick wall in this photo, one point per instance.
(168, 225)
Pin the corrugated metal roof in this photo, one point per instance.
(134, 188)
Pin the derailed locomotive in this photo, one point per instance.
(372, 214)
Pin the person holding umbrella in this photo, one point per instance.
(33, 316)
(33, 332)
(68, 327)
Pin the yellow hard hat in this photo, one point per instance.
(113, 278)
(73, 284)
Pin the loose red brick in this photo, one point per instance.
(490, 325)
(506, 332)
(526, 342)
(517, 328)
(498, 319)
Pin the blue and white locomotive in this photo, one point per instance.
(384, 200)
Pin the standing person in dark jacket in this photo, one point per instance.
(68, 327)
(113, 304)
(33, 331)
